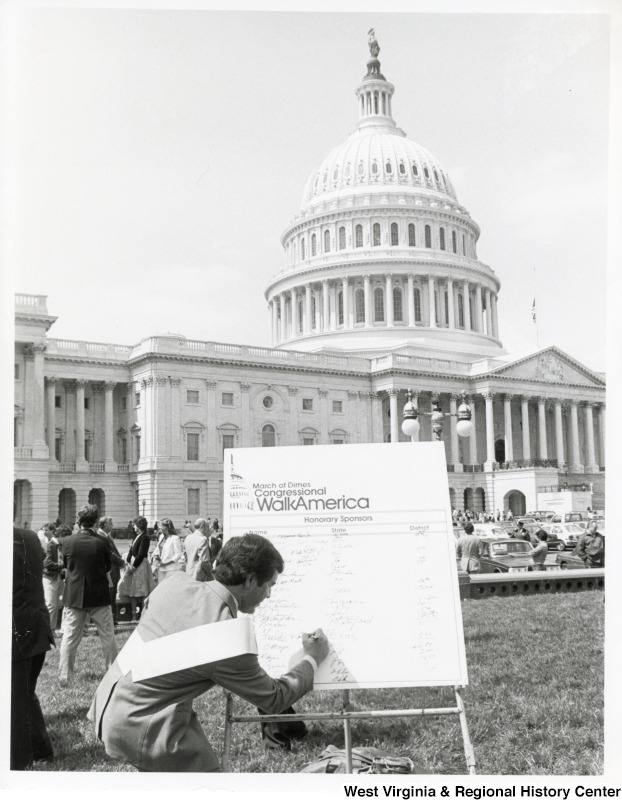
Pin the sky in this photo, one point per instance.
(158, 155)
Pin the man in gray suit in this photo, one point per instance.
(149, 721)
(196, 545)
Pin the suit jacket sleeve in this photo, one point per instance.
(244, 676)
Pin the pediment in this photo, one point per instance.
(550, 366)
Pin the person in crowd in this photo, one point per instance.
(141, 582)
(118, 562)
(87, 562)
(32, 638)
(197, 551)
(44, 533)
(540, 551)
(521, 532)
(216, 527)
(215, 546)
(469, 550)
(169, 556)
(53, 573)
(591, 546)
(150, 722)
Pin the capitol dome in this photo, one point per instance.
(381, 256)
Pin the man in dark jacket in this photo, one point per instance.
(32, 638)
(105, 530)
(87, 559)
(591, 547)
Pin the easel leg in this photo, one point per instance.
(347, 732)
(226, 753)
(468, 747)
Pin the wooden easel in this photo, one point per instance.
(347, 716)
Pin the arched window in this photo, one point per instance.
(472, 314)
(394, 234)
(388, 168)
(464, 252)
(442, 237)
(268, 436)
(374, 168)
(340, 307)
(313, 244)
(302, 249)
(376, 232)
(460, 311)
(359, 235)
(402, 168)
(415, 171)
(454, 244)
(378, 304)
(313, 310)
(417, 305)
(412, 240)
(428, 236)
(342, 238)
(398, 308)
(446, 304)
(359, 300)
(426, 172)
(327, 241)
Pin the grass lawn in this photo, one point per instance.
(534, 701)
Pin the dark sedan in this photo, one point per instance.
(505, 555)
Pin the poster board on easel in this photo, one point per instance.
(366, 535)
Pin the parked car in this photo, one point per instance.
(566, 532)
(505, 555)
(526, 519)
(492, 530)
(569, 516)
(569, 561)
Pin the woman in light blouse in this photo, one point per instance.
(170, 554)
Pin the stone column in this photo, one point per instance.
(478, 309)
(467, 306)
(50, 386)
(473, 436)
(129, 422)
(507, 417)
(524, 407)
(490, 431)
(294, 304)
(159, 417)
(34, 416)
(323, 416)
(274, 320)
(307, 311)
(455, 450)
(293, 414)
(395, 429)
(376, 417)
(431, 301)
(411, 302)
(110, 464)
(559, 436)
(575, 462)
(488, 313)
(175, 419)
(451, 322)
(367, 290)
(388, 294)
(81, 462)
(333, 309)
(601, 432)
(363, 417)
(212, 432)
(325, 307)
(284, 331)
(542, 428)
(591, 465)
(495, 318)
(345, 288)
(246, 414)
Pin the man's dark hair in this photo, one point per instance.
(468, 528)
(246, 555)
(88, 515)
(542, 535)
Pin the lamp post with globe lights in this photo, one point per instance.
(410, 414)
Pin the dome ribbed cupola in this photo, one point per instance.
(381, 255)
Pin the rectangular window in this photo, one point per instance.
(337, 406)
(308, 440)
(228, 441)
(307, 404)
(124, 404)
(337, 440)
(17, 372)
(136, 399)
(58, 402)
(87, 403)
(193, 506)
(124, 451)
(137, 448)
(87, 449)
(227, 398)
(192, 396)
(192, 447)
(58, 452)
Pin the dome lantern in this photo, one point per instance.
(374, 93)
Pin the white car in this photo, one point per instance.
(567, 532)
(490, 529)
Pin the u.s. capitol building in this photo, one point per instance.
(381, 291)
